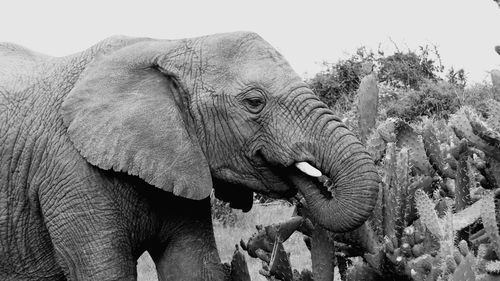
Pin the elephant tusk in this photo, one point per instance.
(307, 169)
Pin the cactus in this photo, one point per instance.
(389, 194)
(463, 247)
(239, 268)
(378, 139)
(428, 215)
(463, 180)
(387, 130)
(486, 134)
(279, 265)
(402, 190)
(265, 237)
(445, 230)
(493, 268)
(450, 234)
(467, 216)
(488, 217)
(394, 130)
(408, 137)
(322, 255)
(464, 271)
(395, 209)
(435, 225)
(495, 79)
(368, 104)
(376, 145)
(476, 152)
(436, 176)
(433, 152)
(461, 123)
(485, 254)
(493, 109)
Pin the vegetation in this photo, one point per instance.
(222, 213)
(436, 143)
(413, 83)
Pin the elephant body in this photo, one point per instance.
(107, 153)
(109, 218)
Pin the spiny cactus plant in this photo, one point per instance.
(428, 215)
(445, 230)
(279, 264)
(397, 131)
(322, 254)
(493, 120)
(466, 121)
(465, 269)
(493, 268)
(489, 218)
(433, 152)
(239, 266)
(368, 105)
(495, 78)
(266, 236)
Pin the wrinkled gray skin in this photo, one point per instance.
(114, 151)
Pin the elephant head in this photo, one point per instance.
(224, 111)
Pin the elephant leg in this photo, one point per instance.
(191, 253)
(102, 255)
(89, 237)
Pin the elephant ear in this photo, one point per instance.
(129, 115)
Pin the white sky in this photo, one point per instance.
(305, 32)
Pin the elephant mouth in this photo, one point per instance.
(311, 176)
(339, 198)
(290, 173)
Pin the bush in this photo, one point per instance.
(223, 213)
(478, 96)
(409, 70)
(338, 83)
(433, 99)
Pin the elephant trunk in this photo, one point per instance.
(352, 186)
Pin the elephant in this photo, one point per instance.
(116, 150)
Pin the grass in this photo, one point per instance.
(227, 237)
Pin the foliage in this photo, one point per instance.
(337, 84)
(412, 84)
(410, 69)
(223, 213)
(478, 96)
(433, 99)
(456, 77)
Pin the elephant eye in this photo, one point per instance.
(254, 105)
(254, 102)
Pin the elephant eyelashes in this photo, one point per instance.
(254, 102)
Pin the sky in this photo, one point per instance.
(305, 32)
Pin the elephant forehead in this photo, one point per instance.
(251, 60)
